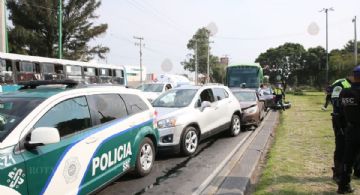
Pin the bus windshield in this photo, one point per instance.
(237, 76)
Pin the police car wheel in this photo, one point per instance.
(145, 158)
(189, 141)
(235, 127)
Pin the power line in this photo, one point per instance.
(162, 16)
(143, 9)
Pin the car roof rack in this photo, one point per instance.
(69, 83)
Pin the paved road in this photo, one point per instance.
(179, 175)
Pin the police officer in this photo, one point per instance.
(350, 110)
(339, 125)
(279, 95)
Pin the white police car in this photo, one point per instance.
(73, 140)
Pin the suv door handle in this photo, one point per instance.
(91, 140)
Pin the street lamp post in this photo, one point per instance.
(3, 28)
(196, 62)
(60, 52)
(355, 42)
(326, 10)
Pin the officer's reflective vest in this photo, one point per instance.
(337, 89)
(278, 91)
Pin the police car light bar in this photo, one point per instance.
(33, 84)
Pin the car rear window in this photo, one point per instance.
(107, 107)
(134, 103)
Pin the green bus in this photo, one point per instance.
(250, 75)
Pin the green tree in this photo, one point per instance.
(202, 39)
(349, 46)
(313, 73)
(285, 60)
(35, 28)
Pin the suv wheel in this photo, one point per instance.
(145, 158)
(189, 141)
(235, 127)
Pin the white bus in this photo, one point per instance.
(15, 68)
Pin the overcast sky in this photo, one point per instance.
(245, 27)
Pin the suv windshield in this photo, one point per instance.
(175, 98)
(151, 87)
(245, 96)
(13, 111)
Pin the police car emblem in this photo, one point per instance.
(71, 169)
(16, 178)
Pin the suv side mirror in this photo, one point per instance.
(204, 105)
(43, 136)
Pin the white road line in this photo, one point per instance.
(216, 171)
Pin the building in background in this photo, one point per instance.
(133, 75)
(224, 61)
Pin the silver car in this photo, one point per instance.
(189, 114)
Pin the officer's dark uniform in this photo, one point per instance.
(339, 125)
(350, 109)
(279, 94)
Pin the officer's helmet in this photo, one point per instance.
(356, 71)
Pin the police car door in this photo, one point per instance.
(48, 164)
(113, 142)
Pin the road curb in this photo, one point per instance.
(240, 171)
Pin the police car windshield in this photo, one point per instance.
(175, 98)
(13, 111)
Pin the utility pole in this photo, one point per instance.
(326, 10)
(208, 59)
(3, 31)
(196, 62)
(60, 52)
(140, 44)
(355, 42)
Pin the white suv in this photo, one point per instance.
(189, 114)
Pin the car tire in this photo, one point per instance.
(189, 141)
(235, 127)
(145, 158)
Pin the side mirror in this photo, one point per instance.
(204, 105)
(43, 136)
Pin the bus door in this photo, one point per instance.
(59, 72)
(74, 72)
(6, 72)
(25, 71)
(89, 75)
(104, 75)
(118, 76)
(48, 71)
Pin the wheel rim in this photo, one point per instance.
(146, 157)
(191, 141)
(236, 125)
